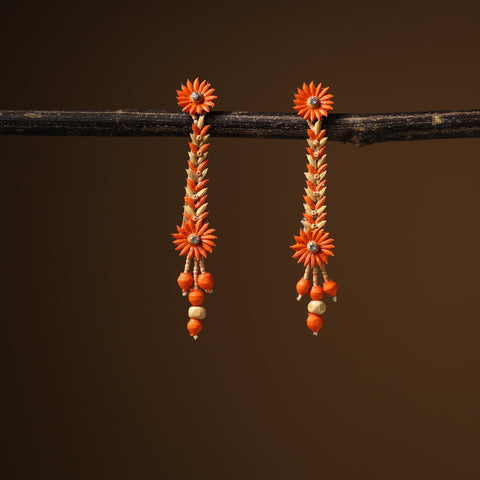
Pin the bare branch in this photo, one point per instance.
(357, 128)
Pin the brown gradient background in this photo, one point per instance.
(102, 380)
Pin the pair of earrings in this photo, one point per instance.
(194, 239)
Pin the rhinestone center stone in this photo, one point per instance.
(313, 101)
(194, 239)
(196, 97)
(313, 247)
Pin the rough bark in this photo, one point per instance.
(359, 129)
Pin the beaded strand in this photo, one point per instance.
(193, 238)
(313, 246)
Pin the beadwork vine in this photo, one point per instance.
(314, 245)
(194, 239)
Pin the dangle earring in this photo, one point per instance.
(314, 245)
(193, 238)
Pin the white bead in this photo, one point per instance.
(197, 312)
(317, 306)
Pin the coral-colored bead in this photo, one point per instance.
(194, 326)
(185, 281)
(316, 293)
(314, 322)
(195, 297)
(205, 281)
(303, 286)
(330, 288)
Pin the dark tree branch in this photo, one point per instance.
(359, 129)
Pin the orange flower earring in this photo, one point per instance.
(194, 238)
(313, 246)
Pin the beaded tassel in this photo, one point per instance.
(193, 238)
(313, 246)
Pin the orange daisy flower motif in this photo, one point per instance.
(313, 247)
(194, 239)
(312, 102)
(196, 97)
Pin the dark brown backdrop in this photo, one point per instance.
(103, 381)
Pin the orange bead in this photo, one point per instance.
(314, 322)
(205, 281)
(195, 297)
(330, 288)
(194, 326)
(185, 281)
(316, 293)
(303, 286)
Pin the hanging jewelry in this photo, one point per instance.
(194, 239)
(314, 245)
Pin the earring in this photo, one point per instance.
(314, 245)
(193, 238)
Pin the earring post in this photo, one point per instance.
(360, 129)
